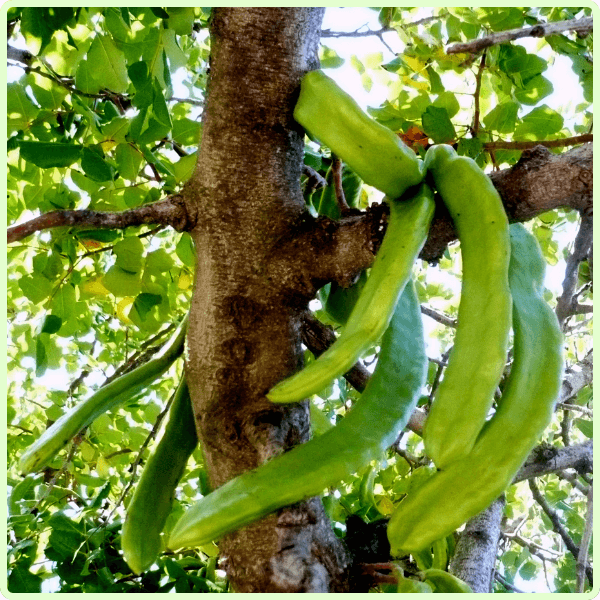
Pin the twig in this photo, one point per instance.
(569, 141)
(584, 548)
(170, 211)
(327, 33)
(574, 481)
(439, 317)
(475, 128)
(581, 26)
(566, 302)
(581, 409)
(336, 169)
(558, 526)
(315, 179)
(186, 101)
(534, 548)
(508, 586)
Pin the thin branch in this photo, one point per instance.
(581, 26)
(170, 211)
(315, 179)
(535, 548)
(475, 128)
(186, 101)
(584, 548)
(558, 526)
(572, 478)
(439, 317)
(586, 411)
(336, 169)
(509, 586)
(560, 143)
(566, 302)
(327, 33)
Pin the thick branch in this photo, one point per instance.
(577, 457)
(539, 182)
(581, 26)
(170, 211)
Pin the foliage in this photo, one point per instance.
(95, 121)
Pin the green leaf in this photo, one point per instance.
(184, 167)
(129, 254)
(528, 570)
(144, 303)
(129, 161)
(46, 155)
(66, 536)
(20, 110)
(536, 89)
(521, 67)
(122, 283)
(159, 261)
(329, 58)
(110, 69)
(539, 124)
(448, 101)
(41, 361)
(502, 118)
(585, 426)
(470, 147)
(437, 125)
(95, 167)
(181, 20)
(186, 132)
(22, 581)
(35, 288)
(52, 324)
(185, 250)
(63, 303)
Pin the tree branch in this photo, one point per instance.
(560, 143)
(170, 211)
(584, 548)
(579, 457)
(558, 526)
(567, 303)
(581, 26)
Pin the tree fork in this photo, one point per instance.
(244, 331)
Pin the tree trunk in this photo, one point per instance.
(475, 556)
(244, 331)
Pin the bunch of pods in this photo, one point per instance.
(502, 286)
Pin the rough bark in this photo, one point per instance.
(244, 325)
(475, 555)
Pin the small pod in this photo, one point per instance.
(406, 233)
(369, 429)
(465, 395)
(56, 437)
(374, 152)
(153, 497)
(471, 484)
